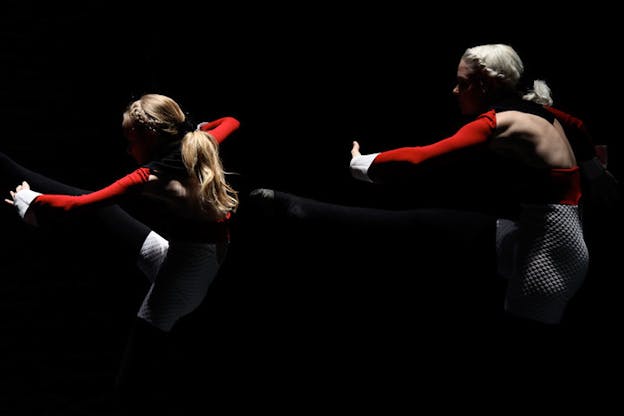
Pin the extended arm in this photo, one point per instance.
(581, 141)
(220, 128)
(28, 202)
(366, 167)
(599, 185)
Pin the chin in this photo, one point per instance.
(469, 111)
(464, 110)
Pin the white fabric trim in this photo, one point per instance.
(182, 283)
(22, 201)
(359, 166)
(153, 253)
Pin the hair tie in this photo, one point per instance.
(186, 126)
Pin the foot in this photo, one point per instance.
(262, 193)
(262, 201)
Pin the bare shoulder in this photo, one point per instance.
(512, 122)
(548, 144)
(513, 117)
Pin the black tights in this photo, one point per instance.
(100, 236)
(433, 227)
(110, 222)
(395, 267)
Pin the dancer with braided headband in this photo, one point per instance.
(191, 205)
(540, 242)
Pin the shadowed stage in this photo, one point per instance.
(294, 302)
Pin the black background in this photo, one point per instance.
(304, 80)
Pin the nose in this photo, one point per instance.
(456, 90)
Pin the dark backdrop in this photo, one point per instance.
(304, 81)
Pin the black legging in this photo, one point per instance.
(395, 265)
(420, 225)
(127, 232)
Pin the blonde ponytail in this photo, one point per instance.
(200, 154)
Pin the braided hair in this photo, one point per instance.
(161, 117)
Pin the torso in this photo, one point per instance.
(179, 197)
(532, 139)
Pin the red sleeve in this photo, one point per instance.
(578, 135)
(107, 195)
(566, 120)
(220, 128)
(471, 134)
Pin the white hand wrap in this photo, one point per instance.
(22, 201)
(359, 166)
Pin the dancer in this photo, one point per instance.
(191, 204)
(539, 241)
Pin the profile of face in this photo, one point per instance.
(469, 90)
(140, 146)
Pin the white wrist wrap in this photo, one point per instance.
(22, 201)
(359, 166)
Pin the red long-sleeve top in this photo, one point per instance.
(220, 129)
(560, 185)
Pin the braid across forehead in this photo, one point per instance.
(496, 61)
(154, 112)
(140, 117)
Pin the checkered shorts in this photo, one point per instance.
(546, 259)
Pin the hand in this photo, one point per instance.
(24, 185)
(355, 150)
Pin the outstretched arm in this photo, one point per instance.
(366, 167)
(27, 201)
(599, 185)
(581, 141)
(220, 128)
